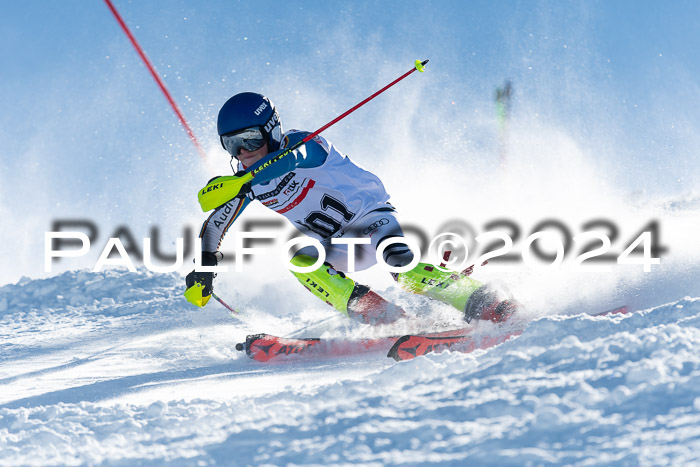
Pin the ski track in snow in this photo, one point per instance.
(116, 368)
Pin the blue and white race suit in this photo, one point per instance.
(325, 195)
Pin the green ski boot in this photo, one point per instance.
(345, 295)
(473, 298)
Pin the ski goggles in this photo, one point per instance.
(249, 139)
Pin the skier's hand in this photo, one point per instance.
(200, 285)
(206, 279)
(221, 190)
(246, 188)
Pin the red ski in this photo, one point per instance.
(265, 347)
(412, 346)
(408, 347)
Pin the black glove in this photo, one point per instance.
(205, 278)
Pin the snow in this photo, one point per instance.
(115, 367)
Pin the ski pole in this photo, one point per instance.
(223, 189)
(225, 305)
(418, 66)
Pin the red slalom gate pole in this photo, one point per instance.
(159, 81)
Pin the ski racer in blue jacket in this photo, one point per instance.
(326, 196)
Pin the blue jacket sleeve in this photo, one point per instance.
(312, 154)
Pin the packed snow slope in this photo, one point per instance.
(115, 368)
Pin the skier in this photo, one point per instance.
(326, 196)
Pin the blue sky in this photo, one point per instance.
(86, 133)
(639, 56)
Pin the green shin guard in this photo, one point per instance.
(326, 283)
(445, 286)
